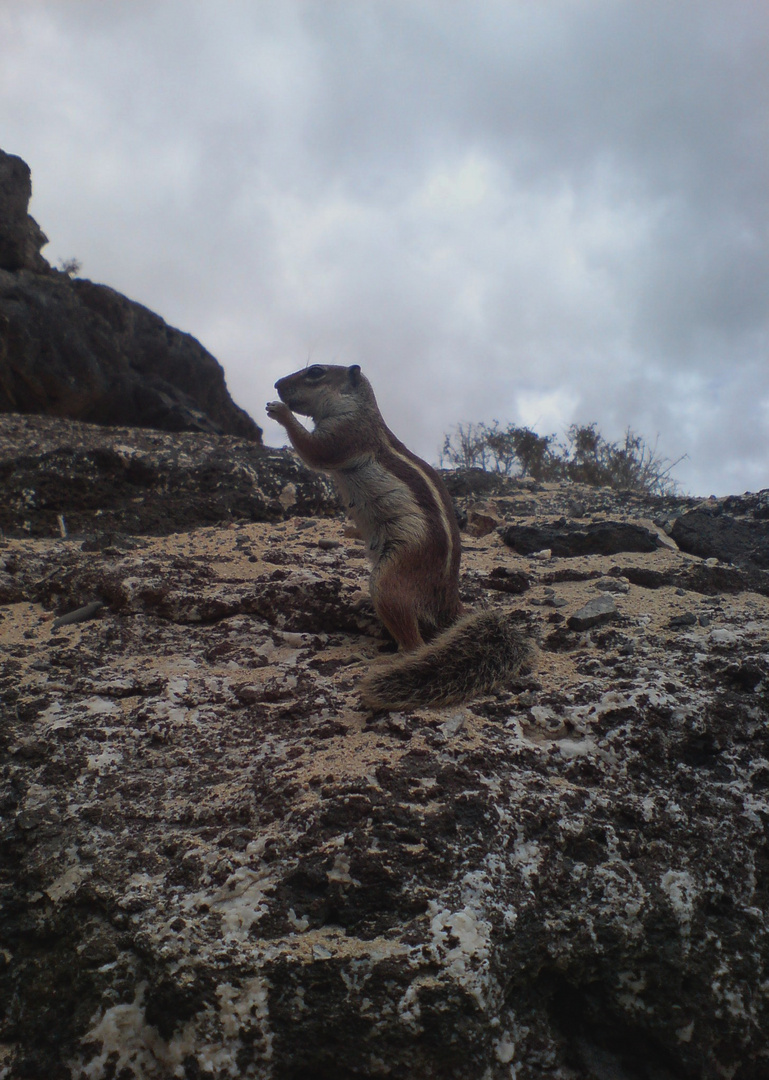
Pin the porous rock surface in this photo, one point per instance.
(71, 348)
(735, 529)
(215, 864)
(63, 476)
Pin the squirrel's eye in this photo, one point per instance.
(315, 372)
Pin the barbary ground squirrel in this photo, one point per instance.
(404, 513)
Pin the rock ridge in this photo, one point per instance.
(214, 863)
(72, 348)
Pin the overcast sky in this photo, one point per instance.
(539, 211)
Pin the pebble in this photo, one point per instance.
(599, 610)
(621, 586)
(687, 619)
(80, 614)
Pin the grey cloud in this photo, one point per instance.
(493, 207)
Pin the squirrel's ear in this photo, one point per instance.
(353, 373)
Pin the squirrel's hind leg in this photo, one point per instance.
(396, 602)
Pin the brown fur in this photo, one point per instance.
(405, 515)
(475, 656)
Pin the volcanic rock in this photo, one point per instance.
(21, 238)
(70, 348)
(64, 477)
(735, 530)
(598, 610)
(214, 863)
(567, 540)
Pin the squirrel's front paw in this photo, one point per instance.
(276, 410)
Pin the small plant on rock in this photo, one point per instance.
(586, 457)
(70, 267)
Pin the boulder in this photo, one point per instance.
(596, 612)
(564, 539)
(21, 238)
(75, 349)
(734, 530)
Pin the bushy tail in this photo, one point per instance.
(473, 657)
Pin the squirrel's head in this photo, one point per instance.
(324, 390)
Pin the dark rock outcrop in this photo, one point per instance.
(701, 578)
(21, 238)
(74, 349)
(596, 612)
(735, 530)
(85, 479)
(567, 540)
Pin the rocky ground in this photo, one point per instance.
(215, 864)
(62, 477)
